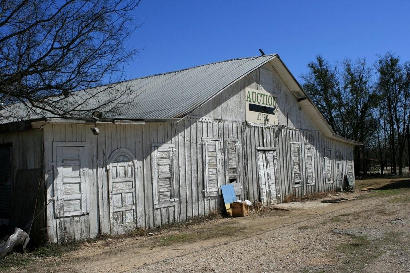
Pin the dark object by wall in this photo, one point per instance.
(28, 205)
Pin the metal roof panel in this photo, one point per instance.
(162, 96)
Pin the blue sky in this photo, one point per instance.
(179, 34)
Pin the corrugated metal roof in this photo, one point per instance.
(162, 96)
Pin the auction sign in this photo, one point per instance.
(261, 107)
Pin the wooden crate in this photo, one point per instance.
(239, 209)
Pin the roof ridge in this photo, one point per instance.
(184, 69)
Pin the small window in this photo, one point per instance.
(163, 175)
(295, 149)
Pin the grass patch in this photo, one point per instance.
(312, 196)
(381, 182)
(15, 260)
(357, 243)
(205, 234)
(55, 250)
(176, 238)
(401, 199)
(379, 193)
(357, 253)
(361, 251)
(50, 250)
(389, 192)
(336, 219)
(304, 227)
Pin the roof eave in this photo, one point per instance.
(346, 140)
(307, 102)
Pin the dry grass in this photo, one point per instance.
(198, 235)
(313, 196)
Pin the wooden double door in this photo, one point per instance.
(74, 188)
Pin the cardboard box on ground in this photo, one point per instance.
(233, 206)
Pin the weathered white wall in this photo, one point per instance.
(138, 139)
(26, 148)
(26, 153)
(230, 104)
(289, 112)
(76, 227)
(187, 137)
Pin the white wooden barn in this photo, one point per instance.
(162, 156)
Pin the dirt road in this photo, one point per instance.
(369, 232)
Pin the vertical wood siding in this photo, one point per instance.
(187, 138)
(26, 150)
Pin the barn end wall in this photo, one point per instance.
(230, 104)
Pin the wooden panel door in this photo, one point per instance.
(266, 174)
(70, 187)
(122, 195)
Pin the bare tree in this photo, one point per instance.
(358, 100)
(346, 98)
(358, 103)
(406, 110)
(322, 85)
(393, 85)
(49, 49)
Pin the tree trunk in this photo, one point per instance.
(365, 161)
(380, 153)
(392, 152)
(408, 146)
(401, 148)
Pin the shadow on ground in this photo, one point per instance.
(402, 184)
